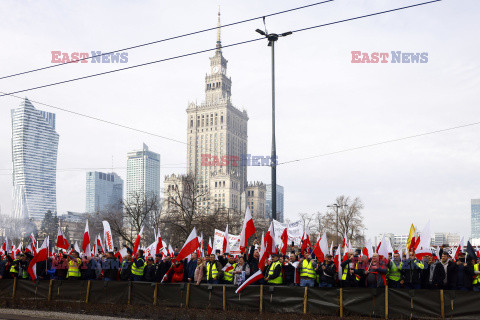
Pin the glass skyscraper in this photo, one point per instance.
(268, 203)
(34, 157)
(475, 220)
(104, 192)
(143, 173)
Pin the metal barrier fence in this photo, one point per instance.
(342, 302)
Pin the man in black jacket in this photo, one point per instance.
(327, 271)
(443, 273)
(289, 270)
(149, 272)
(462, 275)
(110, 267)
(161, 267)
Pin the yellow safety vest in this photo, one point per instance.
(277, 280)
(213, 267)
(74, 268)
(476, 279)
(394, 273)
(13, 269)
(345, 272)
(138, 271)
(307, 269)
(228, 275)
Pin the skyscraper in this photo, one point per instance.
(280, 208)
(143, 173)
(34, 157)
(216, 136)
(475, 219)
(104, 191)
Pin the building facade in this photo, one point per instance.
(256, 193)
(475, 218)
(34, 157)
(217, 138)
(280, 203)
(143, 174)
(104, 192)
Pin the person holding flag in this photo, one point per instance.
(327, 272)
(138, 266)
(228, 269)
(376, 272)
(74, 263)
(348, 278)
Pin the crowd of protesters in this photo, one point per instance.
(295, 269)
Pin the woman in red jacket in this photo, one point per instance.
(176, 272)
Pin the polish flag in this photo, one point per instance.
(422, 252)
(284, 238)
(190, 245)
(346, 250)
(382, 249)
(336, 260)
(76, 247)
(227, 267)
(61, 241)
(253, 278)
(86, 239)
(159, 245)
(459, 249)
(209, 248)
(5, 246)
(367, 250)
(226, 246)
(171, 253)
(137, 242)
(99, 244)
(264, 254)
(270, 240)
(34, 243)
(321, 248)
(42, 255)
(305, 241)
(247, 231)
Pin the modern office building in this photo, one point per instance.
(104, 192)
(280, 200)
(475, 219)
(216, 136)
(34, 157)
(143, 174)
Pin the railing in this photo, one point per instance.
(340, 302)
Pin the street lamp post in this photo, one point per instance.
(272, 38)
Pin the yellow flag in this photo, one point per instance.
(411, 234)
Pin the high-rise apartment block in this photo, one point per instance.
(143, 174)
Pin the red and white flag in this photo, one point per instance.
(76, 247)
(190, 245)
(247, 231)
(284, 238)
(459, 249)
(209, 248)
(337, 261)
(264, 254)
(137, 242)
(159, 244)
(61, 240)
(321, 248)
(34, 243)
(171, 252)
(305, 241)
(100, 245)
(5, 246)
(107, 236)
(382, 249)
(227, 267)
(270, 240)
(253, 278)
(226, 245)
(367, 250)
(41, 255)
(86, 239)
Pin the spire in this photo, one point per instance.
(219, 42)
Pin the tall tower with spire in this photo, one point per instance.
(216, 136)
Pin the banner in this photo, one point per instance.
(294, 231)
(107, 236)
(233, 242)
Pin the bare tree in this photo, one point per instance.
(350, 220)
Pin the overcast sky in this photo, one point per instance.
(324, 102)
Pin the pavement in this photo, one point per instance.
(19, 314)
